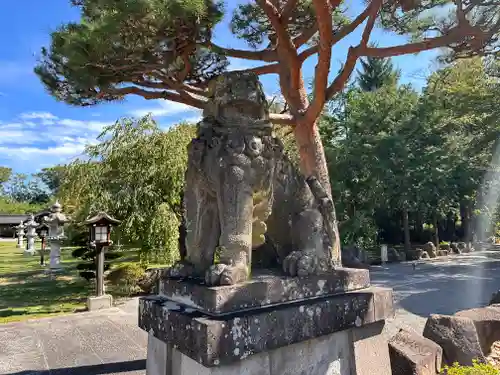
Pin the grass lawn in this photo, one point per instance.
(28, 291)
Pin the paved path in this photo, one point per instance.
(81, 344)
(110, 342)
(442, 287)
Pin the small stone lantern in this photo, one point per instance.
(30, 226)
(99, 235)
(43, 232)
(56, 221)
(20, 235)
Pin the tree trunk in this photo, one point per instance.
(406, 230)
(469, 232)
(466, 222)
(312, 154)
(436, 231)
(313, 163)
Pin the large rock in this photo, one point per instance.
(487, 322)
(350, 257)
(413, 354)
(457, 336)
(464, 248)
(424, 255)
(495, 298)
(445, 246)
(454, 248)
(149, 281)
(430, 248)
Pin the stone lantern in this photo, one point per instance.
(30, 226)
(56, 220)
(99, 235)
(20, 235)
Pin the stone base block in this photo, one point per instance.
(98, 303)
(326, 355)
(264, 289)
(350, 352)
(321, 336)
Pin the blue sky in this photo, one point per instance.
(37, 131)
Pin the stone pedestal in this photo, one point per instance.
(55, 222)
(20, 241)
(30, 236)
(272, 325)
(20, 235)
(55, 254)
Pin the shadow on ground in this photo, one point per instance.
(443, 287)
(105, 368)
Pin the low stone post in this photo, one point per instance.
(384, 257)
(20, 235)
(56, 221)
(31, 235)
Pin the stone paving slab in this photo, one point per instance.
(105, 342)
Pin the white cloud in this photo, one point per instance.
(38, 115)
(163, 109)
(65, 149)
(95, 126)
(18, 137)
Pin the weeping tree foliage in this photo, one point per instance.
(136, 173)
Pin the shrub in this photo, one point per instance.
(476, 369)
(87, 268)
(126, 277)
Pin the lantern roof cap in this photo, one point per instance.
(31, 222)
(56, 207)
(20, 226)
(101, 216)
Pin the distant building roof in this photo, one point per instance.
(9, 219)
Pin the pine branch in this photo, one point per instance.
(262, 55)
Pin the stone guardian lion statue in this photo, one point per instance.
(242, 190)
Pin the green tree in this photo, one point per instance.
(464, 99)
(372, 158)
(164, 49)
(376, 73)
(135, 172)
(22, 188)
(5, 174)
(52, 177)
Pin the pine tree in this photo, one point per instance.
(376, 73)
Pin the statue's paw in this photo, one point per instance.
(303, 263)
(181, 269)
(223, 274)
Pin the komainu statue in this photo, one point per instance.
(241, 191)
